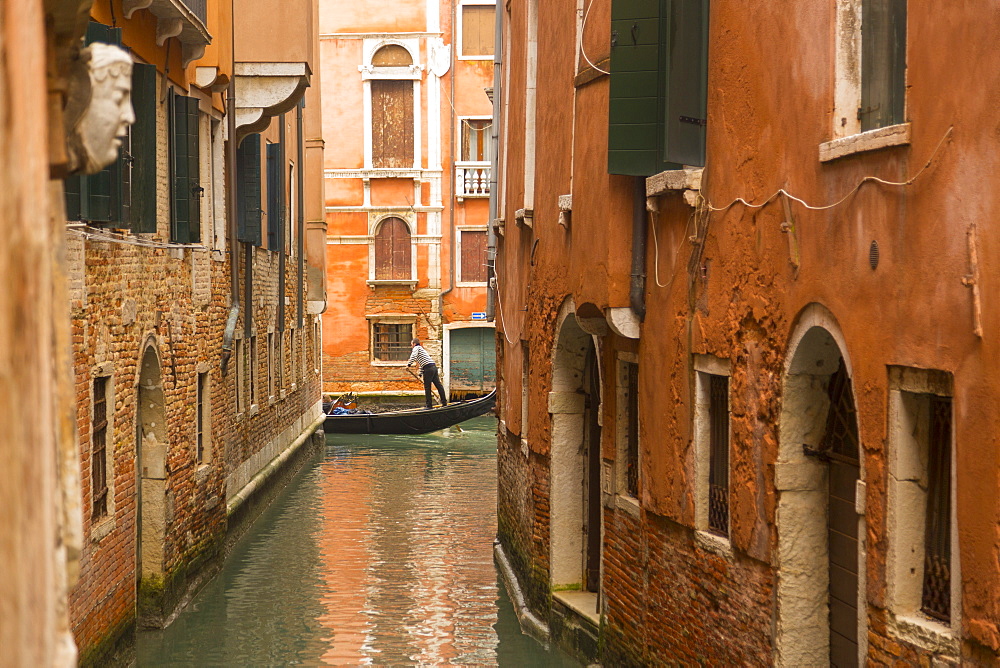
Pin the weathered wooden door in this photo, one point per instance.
(592, 464)
(840, 446)
(473, 360)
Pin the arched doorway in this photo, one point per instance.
(574, 404)
(151, 450)
(821, 617)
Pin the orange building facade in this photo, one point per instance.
(407, 189)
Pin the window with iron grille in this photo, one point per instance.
(271, 356)
(391, 341)
(241, 365)
(632, 429)
(936, 593)
(98, 452)
(718, 462)
(252, 363)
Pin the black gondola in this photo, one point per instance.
(414, 421)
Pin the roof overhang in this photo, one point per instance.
(174, 19)
(265, 90)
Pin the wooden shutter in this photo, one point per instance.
(474, 256)
(248, 189)
(392, 251)
(636, 88)
(478, 30)
(185, 189)
(392, 124)
(143, 148)
(273, 195)
(687, 82)
(883, 63)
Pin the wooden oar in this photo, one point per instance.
(411, 372)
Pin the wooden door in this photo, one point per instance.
(840, 445)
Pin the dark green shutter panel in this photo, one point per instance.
(143, 209)
(185, 189)
(273, 195)
(636, 88)
(71, 188)
(687, 82)
(248, 189)
(98, 32)
(883, 63)
(98, 195)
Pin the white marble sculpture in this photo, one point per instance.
(98, 107)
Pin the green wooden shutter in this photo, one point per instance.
(71, 188)
(687, 82)
(883, 63)
(248, 190)
(143, 133)
(273, 195)
(636, 88)
(185, 189)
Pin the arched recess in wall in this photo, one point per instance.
(393, 250)
(151, 448)
(573, 404)
(822, 617)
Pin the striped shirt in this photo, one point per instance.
(420, 356)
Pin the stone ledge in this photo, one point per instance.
(673, 180)
(872, 140)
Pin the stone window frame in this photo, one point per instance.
(254, 360)
(706, 366)
(846, 135)
(624, 500)
(239, 356)
(459, 19)
(375, 221)
(102, 526)
(459, 229)
(414, 73)
(272, 371)
(389, 319)
(293, 361)
(910, 390)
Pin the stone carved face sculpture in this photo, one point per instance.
(99, 106)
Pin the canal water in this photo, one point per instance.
(379, 552)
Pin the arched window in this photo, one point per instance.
(392, 251)
(392, 111)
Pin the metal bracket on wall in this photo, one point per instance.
(788, 227)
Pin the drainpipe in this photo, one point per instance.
(637, 286)
(234, 273)
(491, 229)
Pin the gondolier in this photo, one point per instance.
(428, 370)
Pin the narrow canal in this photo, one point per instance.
(379, 552)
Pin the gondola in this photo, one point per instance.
(414, 421)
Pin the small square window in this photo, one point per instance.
(391, 341)
(478, 30)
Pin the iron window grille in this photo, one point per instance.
(632, 408)
(98, 458)
(936, 593)
(718, 464)
(392, 341)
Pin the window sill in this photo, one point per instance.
(583, 603)
(388, 363)
(295, 386)
(872, 140)
(465, 57)
(376, 283)
(102, 529)
(271, 399)
(713, 543)
(282, 395)
(202, 473)
(628, 504)
(673, 180)
(254, 409)
(470, 284)
(925, 632)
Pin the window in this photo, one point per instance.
(293, 337)
(202, 419)
(472, 244)
(472, 173)
(98, 451)
(659, 86)
(271, 358)
(478, 29)
(248, 190)
(241, 365)
(920, 561)
(392, 251)
(391, 341)
(274, 212)
(123, 194)
(317, 345)
(253, 371)
(711, 444)
(628, 425)
(883, 63)
(392, 111)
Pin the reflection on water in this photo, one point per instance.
(378, 553)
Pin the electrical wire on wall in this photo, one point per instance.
(103, 236)
(583, 31)
(503, 324)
